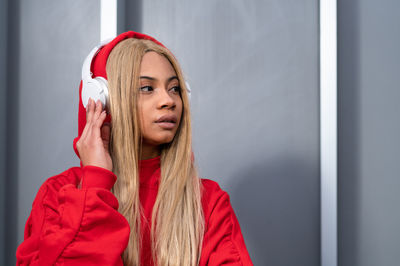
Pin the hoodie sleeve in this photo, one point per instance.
(72, 226)
(223, 243)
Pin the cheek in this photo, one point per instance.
(144, 118)
(180, 108)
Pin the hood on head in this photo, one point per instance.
(98, 68)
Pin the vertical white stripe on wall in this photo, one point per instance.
(108, 19)
(328, 113)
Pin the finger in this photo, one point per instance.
(89, 110)
(97, 124)
(88, 131)
(84, 133)
(97, 111)
(89, 114)
(100, 119)
(91, 132)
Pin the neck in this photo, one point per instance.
(149, 151)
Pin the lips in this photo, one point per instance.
(167, 122)
(167, 119)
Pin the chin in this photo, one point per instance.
(163, 139)
(168, 139)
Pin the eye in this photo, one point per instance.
(146, 88)
(176, 89)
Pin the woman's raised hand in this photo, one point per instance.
(93, 145)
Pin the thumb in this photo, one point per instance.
(105, 135)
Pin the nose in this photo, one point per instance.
(165, 100)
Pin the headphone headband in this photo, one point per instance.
(86, 73)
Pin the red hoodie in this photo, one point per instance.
(82, 226)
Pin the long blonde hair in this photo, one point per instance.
(177, 224)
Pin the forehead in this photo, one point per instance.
(154, 64)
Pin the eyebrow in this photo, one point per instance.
(151, 78)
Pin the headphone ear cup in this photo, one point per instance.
(97, 89)
(188, 89)
(104, 96)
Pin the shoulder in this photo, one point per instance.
(53, 184)
(70, 176)
(211, 189)
(45, 203)
(223, 241)
(213, 197)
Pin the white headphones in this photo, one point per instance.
(97, 88)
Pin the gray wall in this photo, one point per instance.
(369, 131)
(253, 68)
(9, 198)
(3, 126)
(48, 41)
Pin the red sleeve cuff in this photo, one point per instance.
(94, 176)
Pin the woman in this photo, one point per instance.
(137, 198)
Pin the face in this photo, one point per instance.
(159, 100)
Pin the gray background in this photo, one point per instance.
(253, 68)
(369, 131)
(46, 44)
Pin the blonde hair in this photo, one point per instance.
(177, 224)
